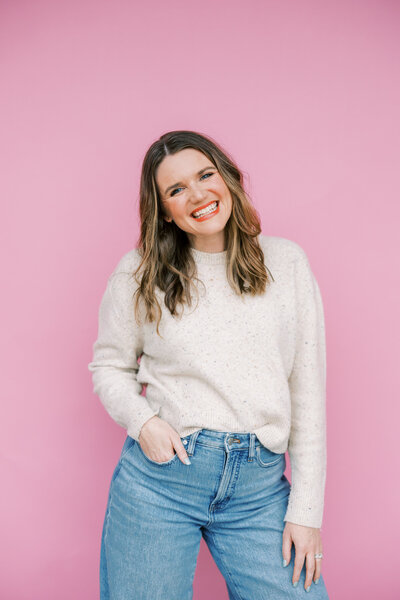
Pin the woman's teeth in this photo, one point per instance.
(210, 208)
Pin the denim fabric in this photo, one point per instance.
(234, 495)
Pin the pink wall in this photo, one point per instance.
(306, 96)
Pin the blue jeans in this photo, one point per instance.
(234, 495)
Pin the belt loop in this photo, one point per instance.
(226, 438)
(251, 447)
(192, 442)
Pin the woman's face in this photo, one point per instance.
(188, 182)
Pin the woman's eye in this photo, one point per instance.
(176, 189)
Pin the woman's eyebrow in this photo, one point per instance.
(180, 182)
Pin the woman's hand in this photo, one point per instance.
(307, 542)
(158, 440)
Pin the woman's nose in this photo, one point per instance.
(198, 192)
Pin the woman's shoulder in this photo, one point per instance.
(122, 280)
(128, 262)
(121, 283)
(281, 249)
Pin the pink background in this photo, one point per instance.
(305, 96)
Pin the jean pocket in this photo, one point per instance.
(164, 463)
(267, 458)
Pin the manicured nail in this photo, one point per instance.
(295, 583)
(187, 461)
(308, 589)
(316, 581)
(284, 563)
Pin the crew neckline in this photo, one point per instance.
(209, 258)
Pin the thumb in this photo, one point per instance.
(181, 451)
(286, 547)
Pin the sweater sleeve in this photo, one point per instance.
(115, 352)
(307, 383)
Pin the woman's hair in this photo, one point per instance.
(164, 248)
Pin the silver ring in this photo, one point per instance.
(319, 555)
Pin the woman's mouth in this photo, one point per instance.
(209, 210)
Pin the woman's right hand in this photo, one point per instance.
(158, 440)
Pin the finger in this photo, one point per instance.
(318, 564)
(286, 548)
(181, 451)
(298, 565)
(310, 567)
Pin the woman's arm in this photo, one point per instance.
(307, 382)
(115, 352)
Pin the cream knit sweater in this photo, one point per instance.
(231, 363)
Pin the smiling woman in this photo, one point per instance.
(202, 196)
(192, 198)
(231, 384)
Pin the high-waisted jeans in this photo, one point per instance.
(234, 494)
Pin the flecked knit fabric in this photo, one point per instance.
(229, 362)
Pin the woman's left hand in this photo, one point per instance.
(307, 542)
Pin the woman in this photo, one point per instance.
(233, 380)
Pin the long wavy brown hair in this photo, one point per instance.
(166, 261)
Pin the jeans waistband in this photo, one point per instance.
(223, 439)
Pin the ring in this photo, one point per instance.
(319, 555)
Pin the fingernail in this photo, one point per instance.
(308, 589)
(187, 461)
(295, 583)
(316, 581)
(284, 563)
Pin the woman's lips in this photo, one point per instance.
(209, 214)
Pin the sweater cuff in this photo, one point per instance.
(304, 510)
(137, 422)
